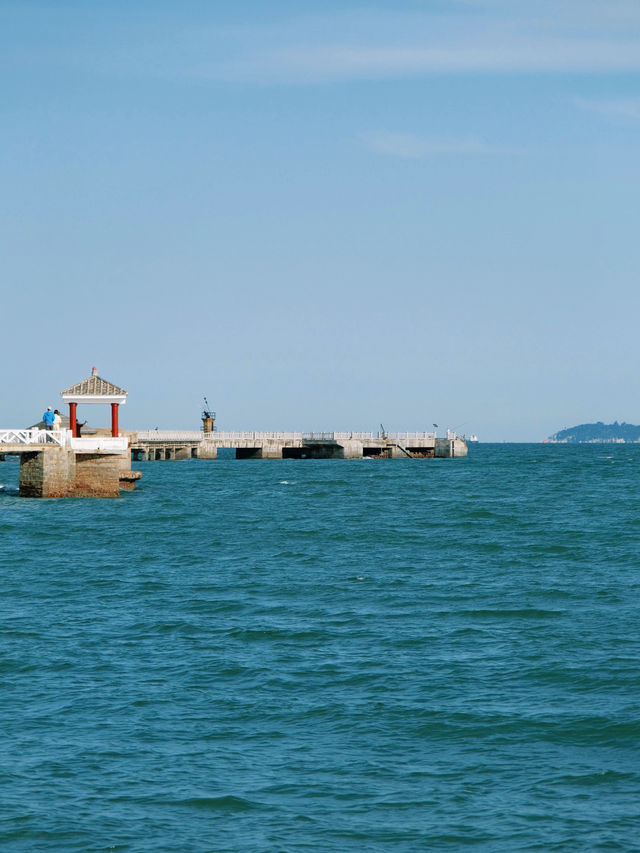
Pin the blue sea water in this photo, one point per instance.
(399, 655)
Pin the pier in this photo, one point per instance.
(61, 463)
(55, 464)
(156, 445)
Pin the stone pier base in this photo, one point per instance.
(47, 473)
(96, 476)
(58, 472)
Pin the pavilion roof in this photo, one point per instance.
(94, 386)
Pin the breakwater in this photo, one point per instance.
(154, 445)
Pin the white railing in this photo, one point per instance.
(168, 436)
(257, 436)
(362, 436)
(410, 436)
(59, 437)
(171, 435)
(318, 436)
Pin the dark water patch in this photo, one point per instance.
(518, 613)
(226, 803)
(598, 778)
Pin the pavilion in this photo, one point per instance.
(94, 391)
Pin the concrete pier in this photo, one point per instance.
(60, 463)
(156, 445)
(53, 464)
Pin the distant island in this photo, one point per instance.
(599, 433)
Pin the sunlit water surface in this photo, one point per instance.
(336, 656)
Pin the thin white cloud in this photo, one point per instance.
(625, 109)
(335, 61)
(414, 147)
(336, 41)
(463, 36)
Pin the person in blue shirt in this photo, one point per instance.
(48, 418)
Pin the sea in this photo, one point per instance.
(307, 655)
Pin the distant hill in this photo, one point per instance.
(598, 434)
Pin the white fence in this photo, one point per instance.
(410, 436)
(171, 435)
(59, 437)
(168, 436)
(62, 438)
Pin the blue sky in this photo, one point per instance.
(323, 215)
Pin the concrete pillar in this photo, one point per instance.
(442, 449)
(207, 450)
(448, 448)
(271, 450)
(351, 449)
(459, 447)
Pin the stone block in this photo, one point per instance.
(127, 480)
(96, 476)
(47, 473)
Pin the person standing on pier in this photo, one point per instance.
(48, 418)
(57, 419)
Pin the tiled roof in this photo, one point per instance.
(94, 386)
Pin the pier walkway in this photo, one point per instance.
(187, 444)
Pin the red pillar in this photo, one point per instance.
(73, 424)
(114, 420)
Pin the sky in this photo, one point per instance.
(323, 215)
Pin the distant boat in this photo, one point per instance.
(473, 437)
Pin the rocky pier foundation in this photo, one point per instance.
(59, 472)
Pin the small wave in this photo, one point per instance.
(226, 803)
(508, 613)
(598, 777)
